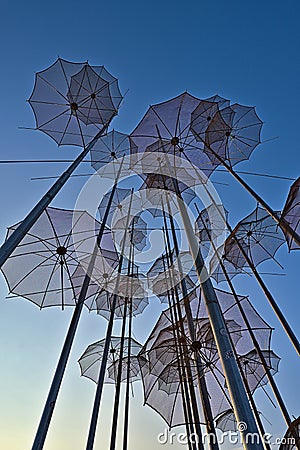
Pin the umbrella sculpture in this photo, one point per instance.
(210, 350)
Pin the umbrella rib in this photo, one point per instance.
(48, 284)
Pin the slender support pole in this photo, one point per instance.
(113, 435)
(16, 237)
(98, 395)
(192, 420)
(127, 397)
(64, 356)
(204, 395)
(127, 302)
(234, 381)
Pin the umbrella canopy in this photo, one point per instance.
(291, 213)
(291, 439)
(253, 369)
(41, 267)
(226, 421)
(90, 360)
(73, 101)
(120, 195)
(232, 133)
(166, 128)
(110, 147)
(257, 235)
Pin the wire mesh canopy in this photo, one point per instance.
(226, 421)
(209, 224)
(134, 302)
(94, 93)
(138, 233)
(257, 235)
(169, 273)
(110, 147)
(166, 128)
(90, 361)
(73, 101)
(232, 133)
(119, 196)
(291, 213)
(163, 370)
(254, 370)
(166, 183)
(41, 267)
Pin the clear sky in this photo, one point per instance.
(245, 51)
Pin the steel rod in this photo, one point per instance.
(99, 389)
(204, 395)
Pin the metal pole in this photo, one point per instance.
(128, 299)
(184, 369)
(204, 395)
(16, 237)
(97, 400)
(64, 356)
(113, 435)
(253, 405)
(234, 381)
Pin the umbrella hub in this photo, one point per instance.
(196, 346)
(113, 154)
(74, 106)
(249, 233)
(61, 250)
(105, 275)
(208, 118)
(93, 95)
(112, 350)
(174, 141)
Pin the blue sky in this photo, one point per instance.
(245, 51)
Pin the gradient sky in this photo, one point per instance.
(245, 51)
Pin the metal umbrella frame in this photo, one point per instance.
(41, 267)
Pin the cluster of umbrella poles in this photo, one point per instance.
(210, 350)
